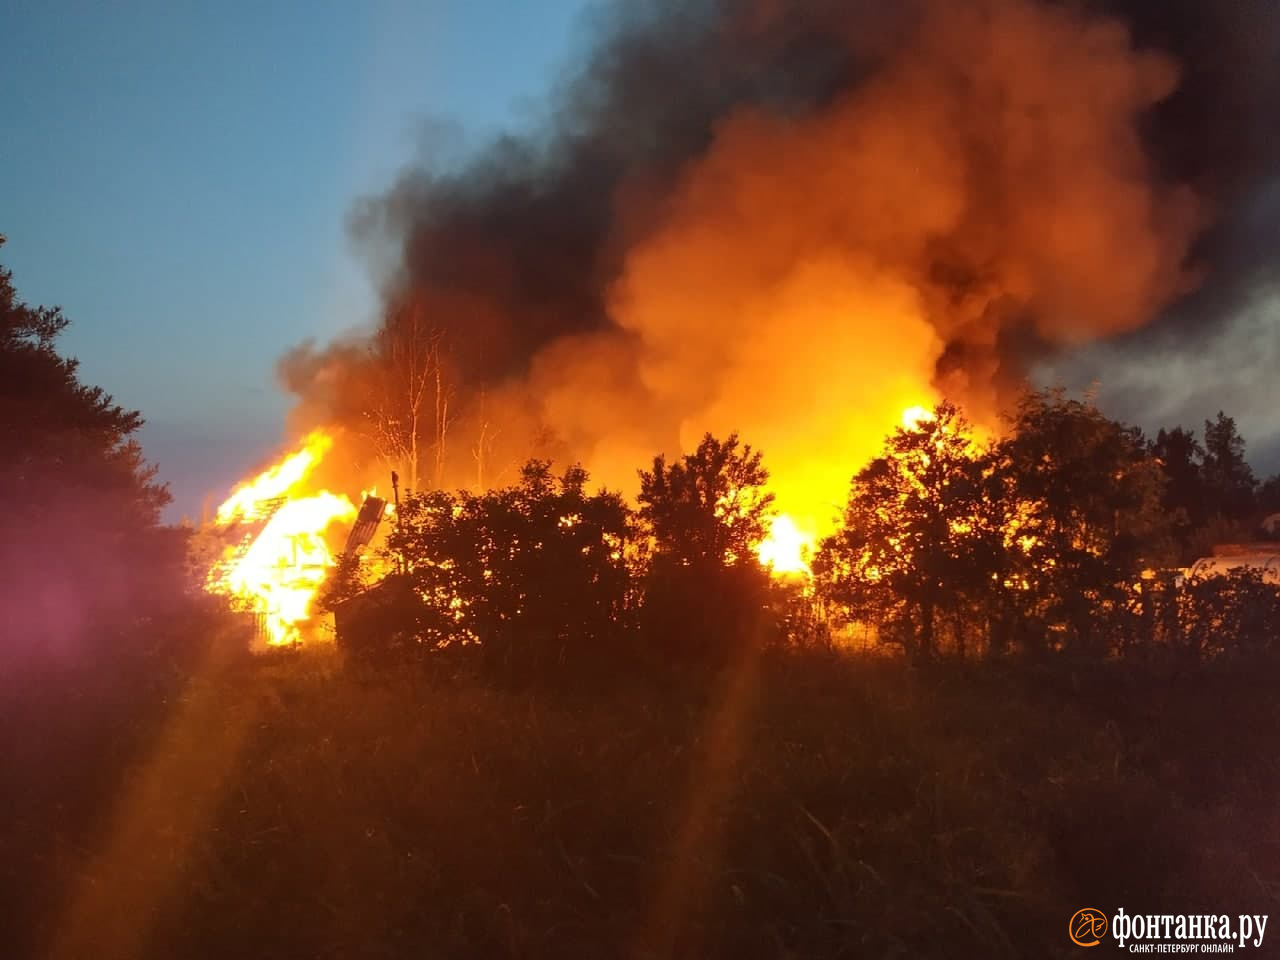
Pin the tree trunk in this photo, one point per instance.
(927, 616)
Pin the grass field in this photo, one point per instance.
(792, 806)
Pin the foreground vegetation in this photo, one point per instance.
(802, 805)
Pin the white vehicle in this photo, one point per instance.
(1266, 562)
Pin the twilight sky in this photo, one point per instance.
(176, 175)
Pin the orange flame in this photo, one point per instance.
(912, 417)
(786, 549)
(277, 573)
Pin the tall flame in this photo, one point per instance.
(277, 573)
(248, 499)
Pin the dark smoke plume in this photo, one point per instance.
(795, 219)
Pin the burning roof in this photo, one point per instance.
(275, 552)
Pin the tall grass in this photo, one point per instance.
(793, 806)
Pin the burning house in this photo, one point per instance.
(271, 543)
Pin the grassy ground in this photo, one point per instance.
(798, 807)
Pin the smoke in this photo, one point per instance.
(1211, 349)
(795, 220)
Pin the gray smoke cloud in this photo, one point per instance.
(794, 219)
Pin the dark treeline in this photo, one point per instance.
(84, 557)
(1067, 535)
(1061, 536)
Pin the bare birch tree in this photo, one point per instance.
(410, 406)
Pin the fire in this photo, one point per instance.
(787, 549)
(387, 511)
(247, 501)
(912, 417)
(810, 498)
(278, 557)
(277, 572)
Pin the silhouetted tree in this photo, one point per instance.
(709, 506)
(81, 546)
(1089, 513)
(917, 543)
(1269, 495)
(706, 592)
(409, 410)
(1228, 479)
(1234, 615)
(344, 581)
(536, 573)
(1180, 457)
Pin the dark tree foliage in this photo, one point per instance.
(1228, 479)
(1090, 516)
(345, 580)
(81, 548)
(1211, 495)
(536, 573)
(1269, 498)
(705, 592)
(1236, 615)
(917, 544)
(1040, 542)
(709, 506)
(1181, 457)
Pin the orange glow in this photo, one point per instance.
(810, 492)
(912, 417)
(388, 510)
(279, 562)
(277, 572)
(787, 549)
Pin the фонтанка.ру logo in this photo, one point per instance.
(1088, 927)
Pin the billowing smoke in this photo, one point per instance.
(796, 219)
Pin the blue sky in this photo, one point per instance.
(176, 176)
